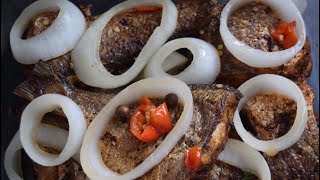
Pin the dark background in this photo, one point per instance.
(11, 71)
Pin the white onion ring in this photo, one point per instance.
(48, 135)
(287, 10)
(204, 68)
(90, 155)
(30, 121)
(239, 154)
(270, 83)
(86, 59)
(173, 60)
(301, 5)
(61, 37)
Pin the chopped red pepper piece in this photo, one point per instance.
(147, 8)
(285, 34)
(160, 119)
(137, 123)
(193, 158)
(147, 123)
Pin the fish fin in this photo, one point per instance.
(24, 91)
(43, 69)
(43, 82)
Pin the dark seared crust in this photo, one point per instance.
(70, 170)
(126, 34)
(300, 161)
(213, 112)
(234, 72)
(268, 116)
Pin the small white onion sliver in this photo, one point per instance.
(241, 155)
(61, 37)
(90, 155)
(270, 83)
(48, 135)
(30, 121)
(288, 12)
(86, 59)
(204, 68)
(173, 60)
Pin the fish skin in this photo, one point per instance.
(234, 72)
(210, 124)
(301, 160)
(44, 81)
(126, 33)
(209, 130)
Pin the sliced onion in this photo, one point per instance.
(301, 5)
(204, 68)
(175, 59)
(48, 135)
(239, 154)
(288, 12)
(86, 59)
(269, 83)
(30, 121)
(90, 155)
(61, 37)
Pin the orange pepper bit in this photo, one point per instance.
(160, 118)
(148, 123)
(285, 34)
(192, 159)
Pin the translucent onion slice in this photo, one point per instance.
(61, 37)
(204, 68)
(301, 5)
(239, 154)
(86, 58)
(175, 59)
(30, 121)
(90, 155)
(269, 83)
(288, 12)
(48, 135)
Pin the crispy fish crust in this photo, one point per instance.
(300, 160)
(234, 72)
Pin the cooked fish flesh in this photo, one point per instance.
(234, 72)
(300, 161)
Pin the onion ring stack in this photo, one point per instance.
(30, 121)
(48, 135)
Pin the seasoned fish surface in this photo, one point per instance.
(126, 33)
(300, 161)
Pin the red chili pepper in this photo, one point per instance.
(147, 123)
(285, 34)
(147, 8)
(193, 158)
(160, 119)
(137, 123)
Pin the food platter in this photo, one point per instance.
(10, 68)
